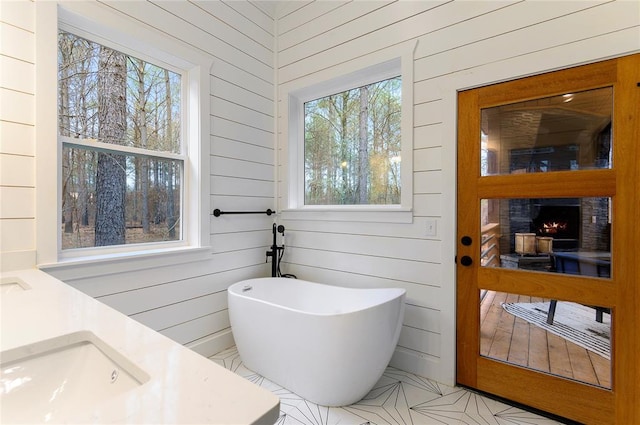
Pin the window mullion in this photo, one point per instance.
(95, 145)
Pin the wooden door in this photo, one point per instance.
(562, 147)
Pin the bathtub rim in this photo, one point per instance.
(400, 293)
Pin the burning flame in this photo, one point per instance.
(552, 227)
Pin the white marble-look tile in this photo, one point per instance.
(398, 398)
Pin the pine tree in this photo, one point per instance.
(111, 173)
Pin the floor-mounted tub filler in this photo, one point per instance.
(328, 344)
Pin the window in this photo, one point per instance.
(149, 141)
(350, 141)
(352, 146)
(119, 124)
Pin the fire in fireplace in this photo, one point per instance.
(557, 221)
(552, 227)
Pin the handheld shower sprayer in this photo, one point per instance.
(280, 229)
(276, 252)
(275, 249)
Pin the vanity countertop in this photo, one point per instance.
(182, 386)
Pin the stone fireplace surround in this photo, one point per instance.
(588, 226)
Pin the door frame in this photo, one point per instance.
(577, 401)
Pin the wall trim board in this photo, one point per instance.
(113, 265)
(251, 12)
(158, 297)
(194, 329)
(289, 20)
(228, 16)
(421, 364)
(241, 132)
(17, 260)
(235, 186)
(17, 138)
(213, 344)
(17, 234)
(192, 13)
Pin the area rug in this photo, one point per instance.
(574, 322)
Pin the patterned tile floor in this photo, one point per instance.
(398, 398)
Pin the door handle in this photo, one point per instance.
(466, 260)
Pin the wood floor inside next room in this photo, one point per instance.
(514, 340)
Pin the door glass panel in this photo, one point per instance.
(561, 338)
(566, 132)
(558, 235)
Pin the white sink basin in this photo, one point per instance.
(49, 381)
(12, 284)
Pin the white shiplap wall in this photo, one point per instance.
(17, 134)
(186, 302)
(461, 44)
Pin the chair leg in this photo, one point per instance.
(552, 311)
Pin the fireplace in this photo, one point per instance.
(559, 219)
(561, 222)
(573, 223)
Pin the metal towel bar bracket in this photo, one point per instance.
(218, 213)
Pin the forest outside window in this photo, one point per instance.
(350, 141)
(123, 155)
(352, 146)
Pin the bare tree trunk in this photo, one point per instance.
(170, 202)
(363, 148)
(63, 129)
(144, 162)
(344, 151)
(135, 201)
(83, 190)
(157, 201)
(111, 173)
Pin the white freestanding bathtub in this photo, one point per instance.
(328, 344)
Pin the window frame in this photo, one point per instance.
(97, 146)
(101, 25)
(339, 79)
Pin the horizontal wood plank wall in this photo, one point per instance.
(17, 135)
(460, 44)
(186, 302)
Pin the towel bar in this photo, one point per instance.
(218, 213)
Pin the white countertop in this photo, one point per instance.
(183, 386)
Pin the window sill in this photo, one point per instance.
(351, 214)
(101, 265)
